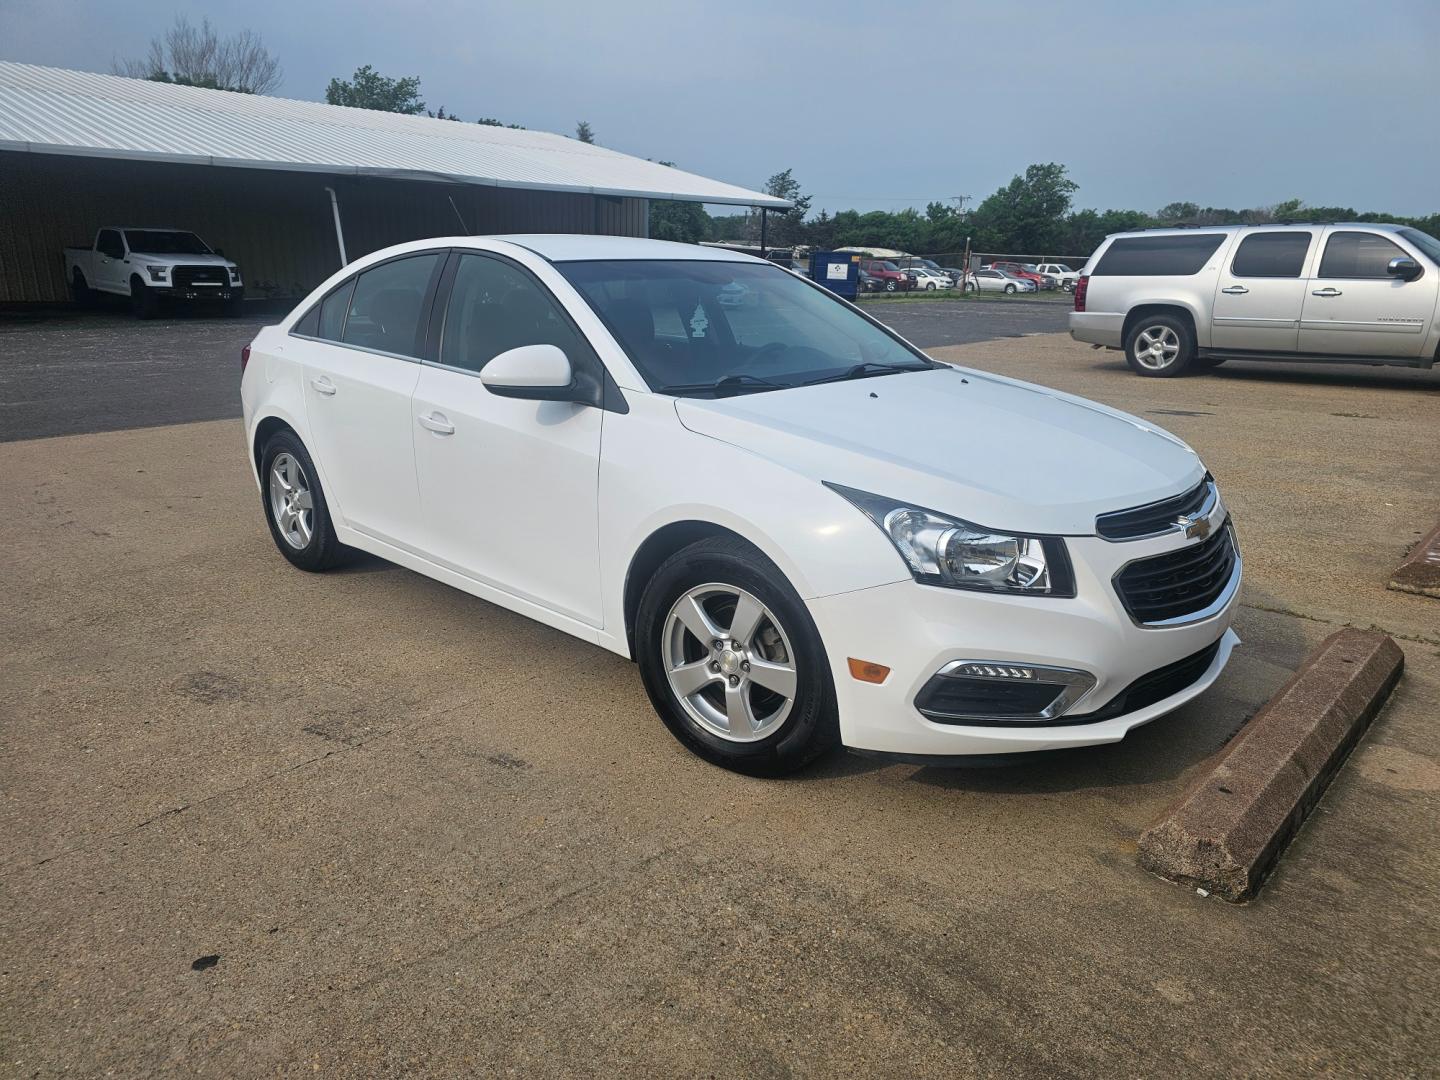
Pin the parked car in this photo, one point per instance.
(889, 273)
(152, 266)
(1187, 299)
(1047, 281)
(913, 262)
(930, 280)
(1018, 270)
(868, 283)
(1061, 273)
(778, 524)
(987, 279)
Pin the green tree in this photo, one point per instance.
(584, 132)
(368, 89)
(784, 228)
(1178, 212)
(1027, 215)
(683, 222)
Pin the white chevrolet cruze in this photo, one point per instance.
(806, 532)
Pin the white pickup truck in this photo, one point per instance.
(151, 266)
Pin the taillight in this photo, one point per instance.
(1080, 286)
(244, 358)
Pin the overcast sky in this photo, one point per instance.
(889, 104)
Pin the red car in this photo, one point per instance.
(890, 276)
(1042, 281)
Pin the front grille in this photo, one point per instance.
(208, 276)
(1153, 518)
(1178, 583)
(946, 699)
(1153, 686)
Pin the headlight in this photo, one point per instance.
(234, 275)
(946, 551)
(158, 272)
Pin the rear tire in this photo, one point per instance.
(295, 506)
(143, 304)
(1160, 346)
(733, 716)
(81, 291)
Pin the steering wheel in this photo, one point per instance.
(765, 354)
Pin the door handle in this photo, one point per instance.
(437, 423)
(1326, 292)
(323, 385)
(1235, 290)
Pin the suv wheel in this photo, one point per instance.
(732, 661)
(1159, 346)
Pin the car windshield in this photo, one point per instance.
(714, 328)
(1424, 241)
(165, 242)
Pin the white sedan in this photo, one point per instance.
(988, 280)
(930, 280)
(807, 533)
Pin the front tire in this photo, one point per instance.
(295, 506)
(929, 286)
(143, 304)
(733, 662)
(1011, 289)
(1160, 346)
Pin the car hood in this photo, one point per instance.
(994, 451)
(187, 260)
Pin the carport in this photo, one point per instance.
(285, 187)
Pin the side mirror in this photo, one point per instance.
(534, 372)
(1403, 267)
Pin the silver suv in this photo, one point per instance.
(1190, 299)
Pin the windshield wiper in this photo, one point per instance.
(730, 384)
(865, 369)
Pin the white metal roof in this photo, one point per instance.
(56, 111)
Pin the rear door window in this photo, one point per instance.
(1175, 255)
(1272, 255)
(387, 308)
(1358, 255)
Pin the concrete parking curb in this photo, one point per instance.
(1420, 572)
(1226, 830)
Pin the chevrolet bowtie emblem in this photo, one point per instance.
(1196, 528)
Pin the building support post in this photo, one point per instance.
(339, 232)
(764, 215)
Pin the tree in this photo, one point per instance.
(1027, 215)
(490, 121)
(198, 56)
(1178, 212)
(584, 132)
(368, 89)
(682, 222)
(784, 228)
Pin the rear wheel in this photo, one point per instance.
(81, 291)
(295, 506)
(1159, 346)
(733, 662)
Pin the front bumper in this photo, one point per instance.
(916, 630)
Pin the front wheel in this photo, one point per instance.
(733, 662)
(929, 286)
(1011, 289)
(1160, 347)
(889, 286)
(143, 304)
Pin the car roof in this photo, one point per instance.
(1189, 230)
(564, 247)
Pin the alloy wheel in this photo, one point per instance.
(1156, 347)
(291, 503)
(729, 662)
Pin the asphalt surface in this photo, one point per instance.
(254, 821)
(69, 373)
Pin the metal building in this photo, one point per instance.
(279, 185)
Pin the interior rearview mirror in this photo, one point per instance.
(535, 372)
(1403, 267)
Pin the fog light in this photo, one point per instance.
(868, 671)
